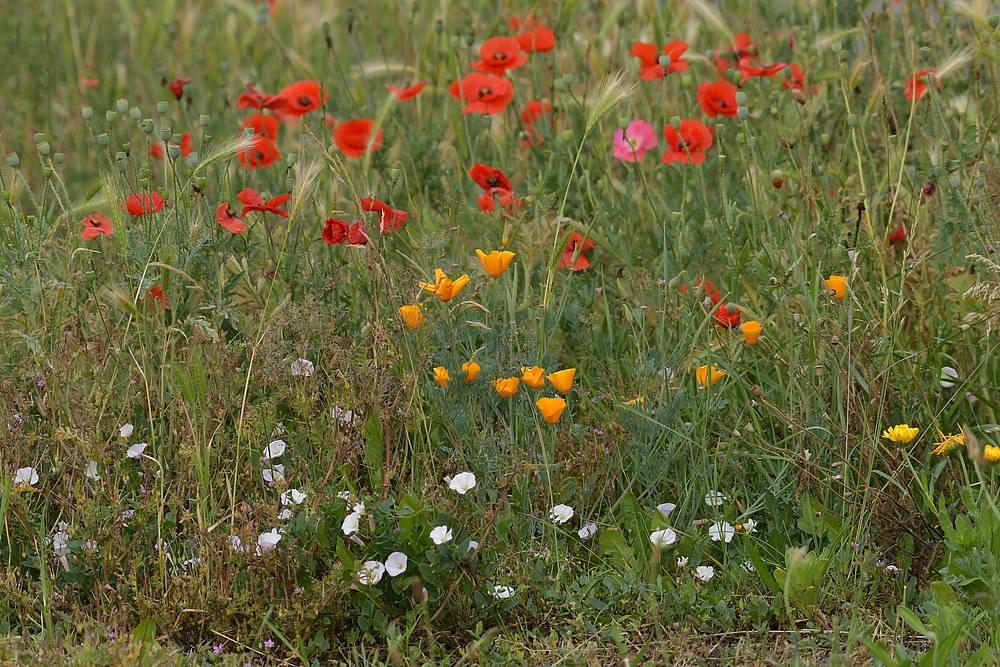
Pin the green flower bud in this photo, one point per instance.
(121, 105)
(291, 158)
(5, 195)
(87, 113)
(558, 84)
(162, 108)
(836, 47)
(741, 138)
(741, 98)
(993, 21)
(852, 119)
(686, 80)
(43, 148)
(824, 138)
(675, 122)
(911, 33)
(13, 161)
(135, 113)
(110, 116)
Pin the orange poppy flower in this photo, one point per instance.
(551, 408)
(389, 219)
(443, 287)
(898, 235)
(718, 98)
(262, 152)
(701, 373)
(354, 137)
(506, 387)
(300, 98)
(263, 125)
(471, 369)
(837, 286)
(486, 93)
(95, 225)
(534, 377)
(540, 39)
(499, 54)
(915, 88)
(533, 112)
(724, 318)
(576, 241)
(649, 56)
(412, 316)
(144, 204)
(562, 380)
(251, 98)
(496, 262)
(177, 87)
(441, 375)
(89, 82)
(744, 47)
(155, 293)
(254, 202)
(335, 231)
(186, 147)
(224, 216)
(455, 90)
(751, 331)
(488, 200)
(688, 144)
(403, 94)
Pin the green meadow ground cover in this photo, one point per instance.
(483, 332)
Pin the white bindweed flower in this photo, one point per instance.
(267, 541)
(666, 509)
(806, 454)
(371, 572)
(441, 535)
(292, 497)
(302, 368)
(704, 572)
(561, 513)
(351, 523)
(395, 564)
(682, 561)
(90, 546)
(663, 538)
(891, 568)
(587, 530)
(60, 543)
(25, 477)
(90, 472)
(274, 449)
(136, 450)
(273, 474)
(237, 544)
(721, 531)
(473, 545)
(126, 431)
(748, 526)
(503, 592)
(462, 483)
(947, 375)
(714, 498)
(359, 508)
(285, 514)
(344, 417)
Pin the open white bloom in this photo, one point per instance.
(682, 561)
(285, 514)
(359, 508)
(351, 522)
(473, 545)
(90, 545)
(274, 449)
(891, 568)
(344, 417)
(714, 498)
(136, 450)
(704, 572)
(462, 483)
(60, 543)
(126, 431)
(503, 592)
(395, 564)
(587, 530)
(947, 375)
(441, 535)
(90, 472)
(237, 544)
(748, 526)
(371, 572)
(721, 531)
(273, 474)
(292, 497)
(561, 513)
(806, 454)
(268, 541)
(663, 538)
(302, 368)
(26, 477)
(666, 509)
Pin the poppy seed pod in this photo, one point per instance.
(147, 125)
(836, 47)
(174, 151)
(686, 80)
(204, 119)
(135, 113)
(291, 158)
(121, 161)
(38, 138)
(103, 140)
(165, 134)
(742, 113)
(568, 78)
(777, 178)
(193, 160)
(664, 61)
(43, 148)
(439, 26)
(852, 119)
(741, 98)
(993, 21)
(162, 108)
(110, 116)
(87, 113)
(121, 105)
(58, 158)
(925, 52)
(127, 147)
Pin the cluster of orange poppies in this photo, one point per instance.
(551, 408)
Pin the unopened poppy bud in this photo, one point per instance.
(568, 79)
(925, 52)
(836, 47)
(135, 113)
(777, 178)
(87, 113)
(993, 21)
(43, 148)
(954, 181)
(174, 151)
(664, 61)
(291, 159)
(204, 119)
(787, 71)
(147, 125)
(103, 140)
(990, 147)
(165, 134)
(439, 26)
(58, 158)
(675, 122)
(824, 138)
(395, 174)
(775, 96)
(742, 113)
(120, 161)
(121, 105)
(5, 195)
(741, 138)
(686, 82)
(193, 160)
(911, 33)
(852, 119)
(162, 108)
(674, 282)
(110, 116)
(741, 98)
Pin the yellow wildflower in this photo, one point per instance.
(496, 262)
(900, 433)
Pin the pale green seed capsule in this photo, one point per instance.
(87, 113)
(741, 98)
(135, 113)
(103, 139)
(162, 108)
(43, 148)
(121, 105)
(110, 116)
(13, 161)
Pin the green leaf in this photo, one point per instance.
(145, 634)
(614, 545)
(758, 564)
(879, 652)
(911, 620)
(374, 449)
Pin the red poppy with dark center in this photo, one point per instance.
(747, 70)
(797, 81)
(155, 294)
(486, 93)
(726, 319)
(743, 46)
(300, 98)
(508, 201)
(251, 98)
(96, 225)
(357, 233)
(488, 177)
(576, 241)
(718, 98)
(898, 235)
(915, 88)
(530, 37)
(354, 137)
(177, 87)
(499, 54)
(252, 201)
(649, 56)
(688, 144)
(144, 204)
(335, 231)
(262, 152)
(224, 216)
(389, 219)
(534, 111)
(186, 147)
(403, 94)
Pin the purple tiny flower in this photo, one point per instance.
(269, 643)
(112, 634)
(661, 281)
(855, 544)
(40, 383)
(217, 649)
(298, 590)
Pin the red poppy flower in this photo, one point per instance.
(688, 144)
(224, 216)
(455, 90)
(718, 98)
(500, 54)
(540, 39)
(253, 98)
(95, 225)
(144, 204)
(576, 240)
(186, 146)
(357, 233)
(89, 82)
(487, 177)
(797, 81)
(721, 63)
(300, 98)
(335, 231)
(915, 88)
(649, 55)
(403, 94)
(747, 70)
(389, 219)
(486, 93)
(743, 46)
(262, 151)
(261, 124)
(710, 290)
(898, 235)
(726, 319)
(928, 188)
(354, 137)
(508, 201)
(254, 202)
(534, 111)
(177, 87)
(155, 293)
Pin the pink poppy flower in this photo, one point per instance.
(632, 143)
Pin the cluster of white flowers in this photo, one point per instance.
(344, 417)
(371, 572)
(273, 473)
(302, 368)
